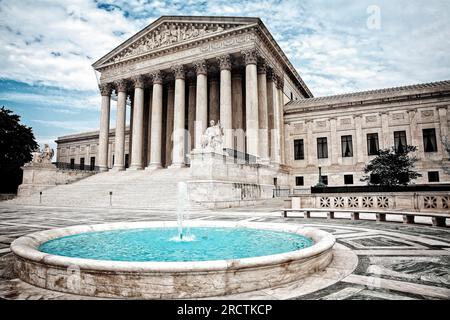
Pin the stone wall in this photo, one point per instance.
(38, 177)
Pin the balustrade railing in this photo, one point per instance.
(76, 167)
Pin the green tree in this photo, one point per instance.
(391, 168)
(17, 142)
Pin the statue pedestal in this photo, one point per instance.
(37, 177)
(218, 180)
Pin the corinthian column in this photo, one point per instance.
(191, 114)
(226, 119)
(119, 150)
(178, 155)
(238, 111)
(201, 113)
(262, 113)
(251, 100)
(156, 127)
(169, 123)
(214, 99)
(103, 143)
(138, 124)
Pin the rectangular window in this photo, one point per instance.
(113, 160)
(429, 140)
(400, 141)
(325, 180)
(299, 152)
(92, 163)
(433, 176)
(347, 146)
(348, 179)
(81, 163)
(299, 181)
(372, 144)
(322, 148)
(127, 160)
(72, 164)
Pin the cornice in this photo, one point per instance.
(373, 97)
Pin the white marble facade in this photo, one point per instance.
(181, 72)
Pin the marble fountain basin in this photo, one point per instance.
(167, 280)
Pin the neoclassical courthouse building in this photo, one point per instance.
(179, 73)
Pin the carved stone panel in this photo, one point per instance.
(168, 34)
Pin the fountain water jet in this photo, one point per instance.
(183, 214)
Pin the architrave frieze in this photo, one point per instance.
(179, 45)
(210, 49)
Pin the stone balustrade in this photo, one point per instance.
(417, 201)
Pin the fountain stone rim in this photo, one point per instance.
(27, 247)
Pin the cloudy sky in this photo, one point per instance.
(47, 47)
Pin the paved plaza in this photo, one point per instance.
(372, 260)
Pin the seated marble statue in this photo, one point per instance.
(213, 137)
(45, 156)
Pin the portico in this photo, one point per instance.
(182, 72)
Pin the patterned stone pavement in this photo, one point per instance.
(391, 260)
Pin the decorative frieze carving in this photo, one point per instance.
(224, 62)
(371, 119)
(168, 34)
(427, 113)
(201, 67)
(398, 116)
(321, 124)
(250, 56)
(346, 122)
(121, 85)
(178, 71)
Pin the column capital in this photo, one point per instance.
(224, 62)
(250, 56)
(262, 66)
(271, 75)
(138, 81)
(280, 81)
(121, 85)
(157, 77)
(178, 71)
(105, 89)
(201, 67)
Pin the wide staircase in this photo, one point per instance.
(156, 189)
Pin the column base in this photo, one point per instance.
(103, 169)
(177, 166)
(118, 168)
(153, 166)
(135, 168)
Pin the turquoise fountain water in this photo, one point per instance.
(156, 244)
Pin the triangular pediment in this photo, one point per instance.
(171, 31)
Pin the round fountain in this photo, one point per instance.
(171, 259)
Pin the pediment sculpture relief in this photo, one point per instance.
(168, 34)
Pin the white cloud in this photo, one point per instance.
(328, 41)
